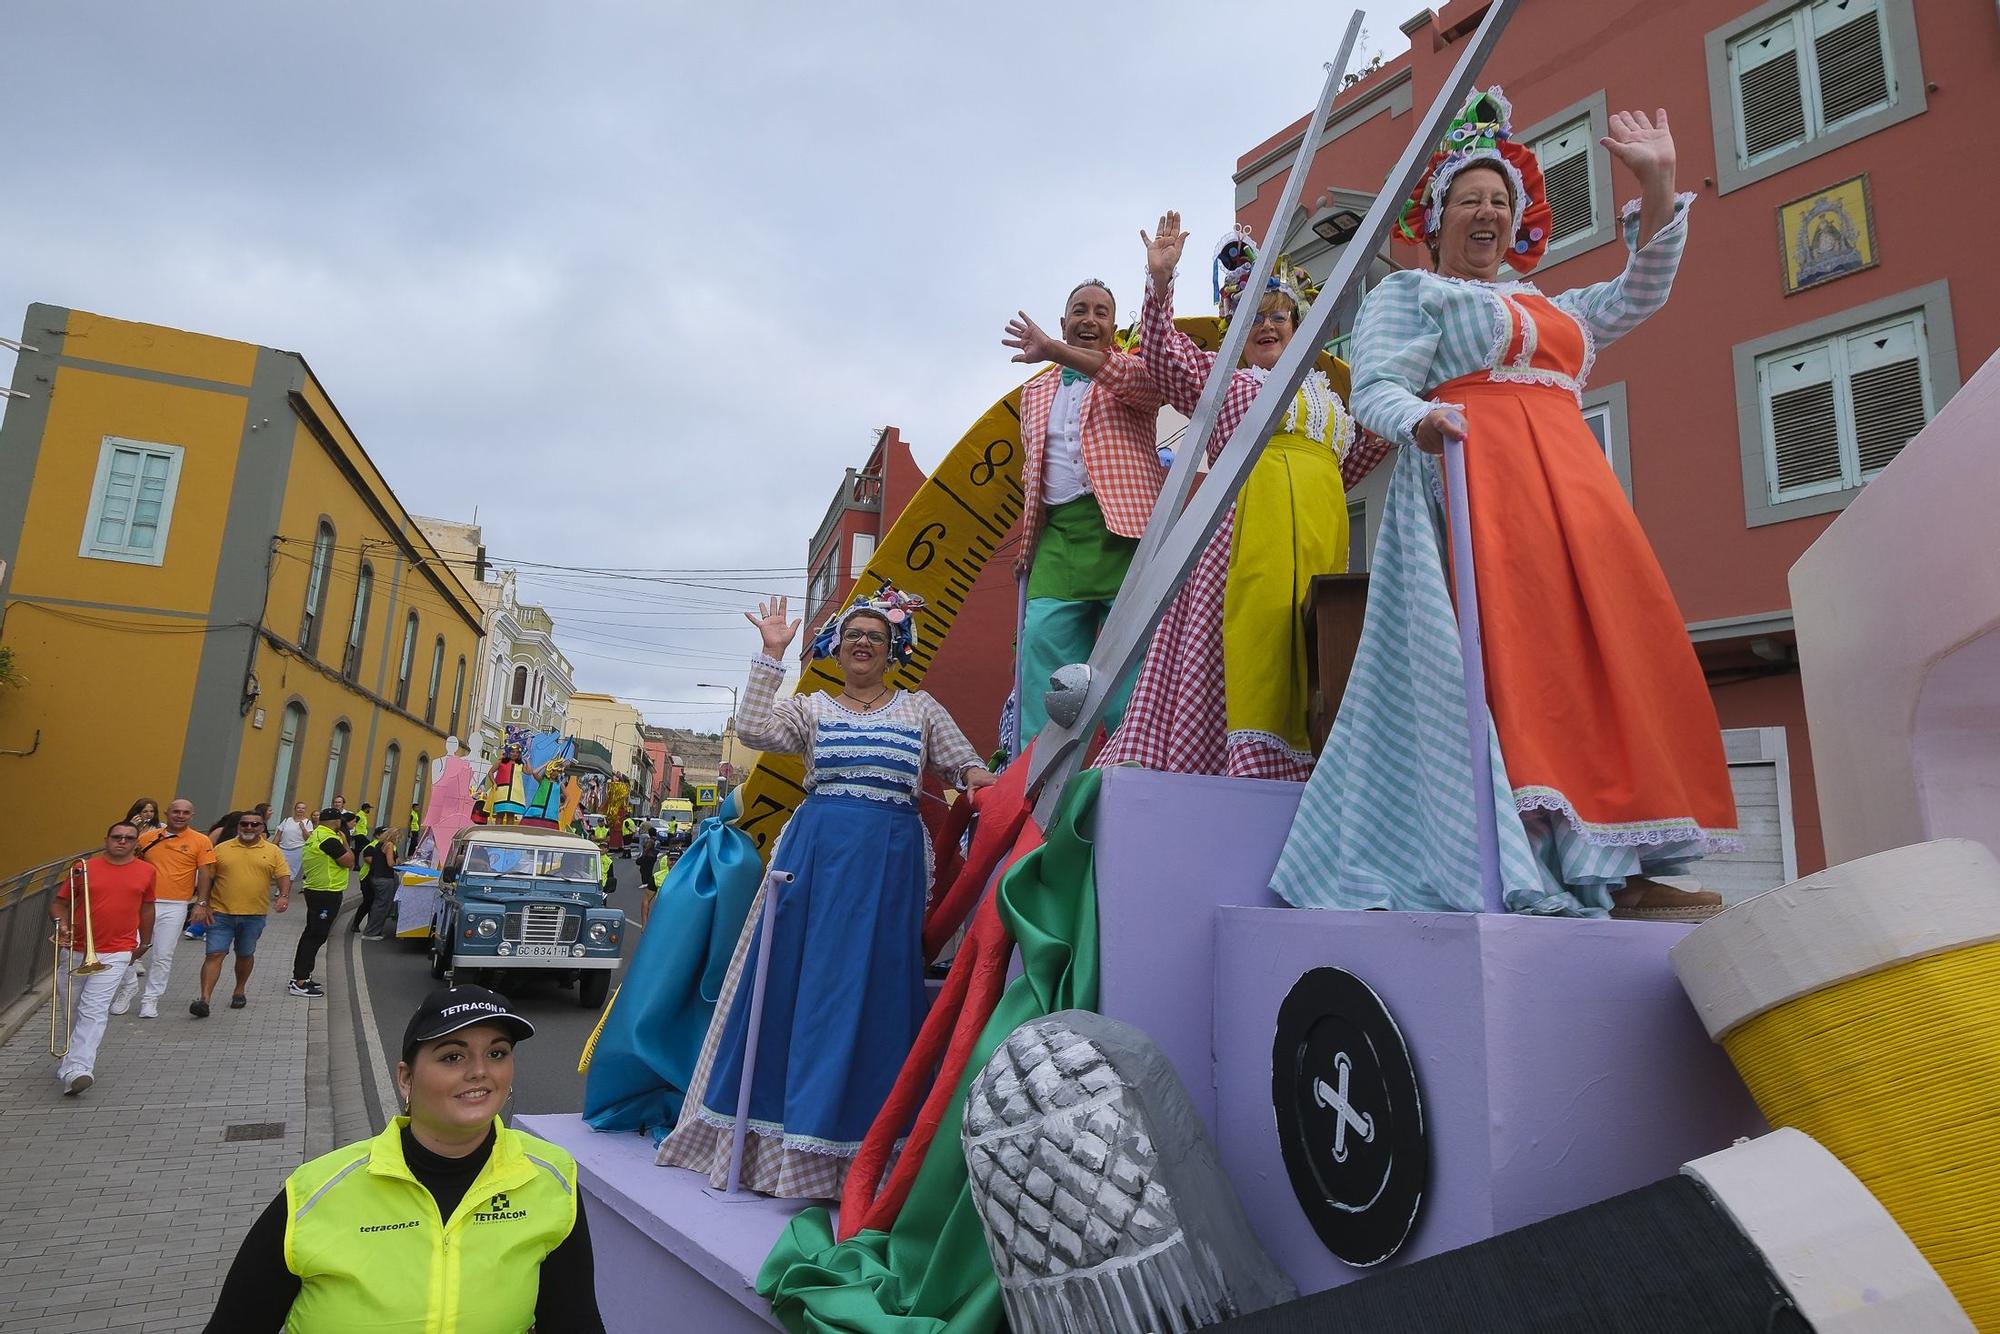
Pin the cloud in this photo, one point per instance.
(637, 281)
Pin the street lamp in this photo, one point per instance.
(1337, 226)
(703, 685)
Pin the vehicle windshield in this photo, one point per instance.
(532, 863)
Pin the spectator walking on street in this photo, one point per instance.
(379, 883)
(237, 904)
(218, 833)
(183, 860)
(364, 852)
(324, 866)
(144, 816)
(120, 921)
(291, 835)
(387, 881)
(648, 857)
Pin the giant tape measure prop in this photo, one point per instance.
(943, 538)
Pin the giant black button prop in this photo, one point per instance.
(1350, 1123)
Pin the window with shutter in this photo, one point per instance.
(406, 662)
(1576, 175)
(317, 573)
(1838, 411)
(131, 502)
(1567, 171)
(1852, 59)
(1817, 68)
(357, 624)
(1770, 94)
(1803, 427)
(1890, 391)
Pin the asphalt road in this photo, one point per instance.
(546, 1079)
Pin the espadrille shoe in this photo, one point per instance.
(1645, 900)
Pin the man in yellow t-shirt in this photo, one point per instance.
(245, 869)
(182, 859)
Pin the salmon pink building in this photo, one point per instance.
(1832, 295)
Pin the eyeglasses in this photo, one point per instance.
(249, 824)
(121, 838)
(1270, 317)
(864, 637)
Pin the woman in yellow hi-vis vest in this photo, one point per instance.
(446, 1221)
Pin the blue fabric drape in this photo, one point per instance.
(647, 1051)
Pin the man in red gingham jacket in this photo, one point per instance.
(1091, 469)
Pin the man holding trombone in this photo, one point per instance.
(103, 918)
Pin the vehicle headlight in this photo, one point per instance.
(487, 927)
(599, 932)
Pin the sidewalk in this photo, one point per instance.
(122, 1208)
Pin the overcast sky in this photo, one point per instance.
(637, 281)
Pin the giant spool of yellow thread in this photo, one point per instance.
(1862, 1006)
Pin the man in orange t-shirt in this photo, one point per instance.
(183, 860)
(119, 921)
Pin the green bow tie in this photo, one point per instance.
(1070, 377)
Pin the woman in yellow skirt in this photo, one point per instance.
(1223, 689)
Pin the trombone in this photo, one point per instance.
(62, 985)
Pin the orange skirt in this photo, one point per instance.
(1599, 702)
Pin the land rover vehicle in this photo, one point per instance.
(523, 899)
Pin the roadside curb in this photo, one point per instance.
(348, 1115)
(16, 1016)
(321, 1136)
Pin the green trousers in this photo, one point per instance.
(1058, 632)
(1079, 564)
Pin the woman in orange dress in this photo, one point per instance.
(1608, 763)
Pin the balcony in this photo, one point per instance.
(859, 491)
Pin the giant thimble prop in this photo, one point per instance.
(1862, 1006)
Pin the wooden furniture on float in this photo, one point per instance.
(1335, 604)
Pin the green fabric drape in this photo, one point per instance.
(930, 1273)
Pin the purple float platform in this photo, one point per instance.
(1171, 849)
(668, 1253)
(1559, 1061)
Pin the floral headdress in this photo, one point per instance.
(1483, 133)
(896, 607)
(1236, 257)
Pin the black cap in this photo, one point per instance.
(449, 1009)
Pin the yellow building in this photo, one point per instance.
(210, 588)
(615, 725)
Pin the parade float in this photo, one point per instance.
(537, 782)
(1152, 1095)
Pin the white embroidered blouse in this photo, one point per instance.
(879, 754)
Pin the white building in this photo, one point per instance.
(527, 682)
(523, 678)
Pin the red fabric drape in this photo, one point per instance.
(1003, 835)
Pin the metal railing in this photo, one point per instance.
(25, 953)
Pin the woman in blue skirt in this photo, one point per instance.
(845, 995)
